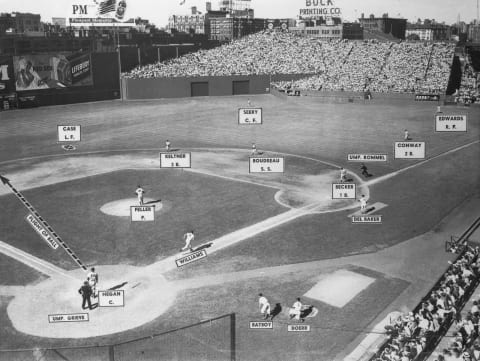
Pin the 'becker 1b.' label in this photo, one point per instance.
(344, 191)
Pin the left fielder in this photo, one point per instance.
(188, 237)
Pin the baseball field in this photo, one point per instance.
(280, 234)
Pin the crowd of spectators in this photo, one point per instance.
(412, 333)
(339, 65)
(469, 91)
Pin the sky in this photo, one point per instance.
(158, 11)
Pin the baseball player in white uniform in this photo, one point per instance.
(167, 145)
(406, 135)
(363, 204)
(296, 310)
(140, 193)
(343, 175)
(188, 237)
(92, 278)
(254, 149)
(264, 306)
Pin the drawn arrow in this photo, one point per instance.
(27, 204)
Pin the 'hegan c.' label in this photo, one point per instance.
(367, 219)
(175, 160)
(111, 298)
(267, 165)
(193, 257)
(367, 158)
(298, 328)
(409, 150)
(450, 123)
(250, 116)
(142, 213)
(344, 191)
(38, 227)
(74, 317)
(68, 133)
(262, 325)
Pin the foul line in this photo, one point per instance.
(393, 174)
(33, 262)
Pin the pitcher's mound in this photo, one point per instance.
(121, 208)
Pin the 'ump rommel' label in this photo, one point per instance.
(298, 328)
(265, 325)
(111, 298)
(450, 123)
(344, 191)
(142, 213)
(367, 158)
(68, 133)
(175, 160)
(409, 150)
(267, 165)
(376, 219)
(250, 116)
(74, 317)
(192, 257)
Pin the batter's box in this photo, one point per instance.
(374, 208)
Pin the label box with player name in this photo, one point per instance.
(261, 325)
(367, 157)
(250, 116)
(192, 257)
(298, 328)
(69, 133)
(450, 123)
(410, 150)
(111, 298)
(374, 219)
(344, 191)
(175, 160)
(267, 165)
(74, 317)
(142, 213)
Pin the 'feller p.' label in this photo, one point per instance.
(267, 165)
(450, 123)
(344, 191)
(409, 150)
(111, 298)
(68, 133)
(175, 160)
(250, 116)
(142, 213)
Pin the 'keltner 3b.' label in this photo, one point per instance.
(267, 165)
(450, 123)
(175, 160)
(250, 116)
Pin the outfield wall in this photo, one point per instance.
(156, 88)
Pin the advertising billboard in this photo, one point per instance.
(320, 8)
(7, 84)
(107, 13)
(50, 71)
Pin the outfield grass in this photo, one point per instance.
(209, 205)
(16, 273)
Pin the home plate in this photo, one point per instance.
(371, 209)
(339, 288)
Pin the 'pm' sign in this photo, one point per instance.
(79, 9)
